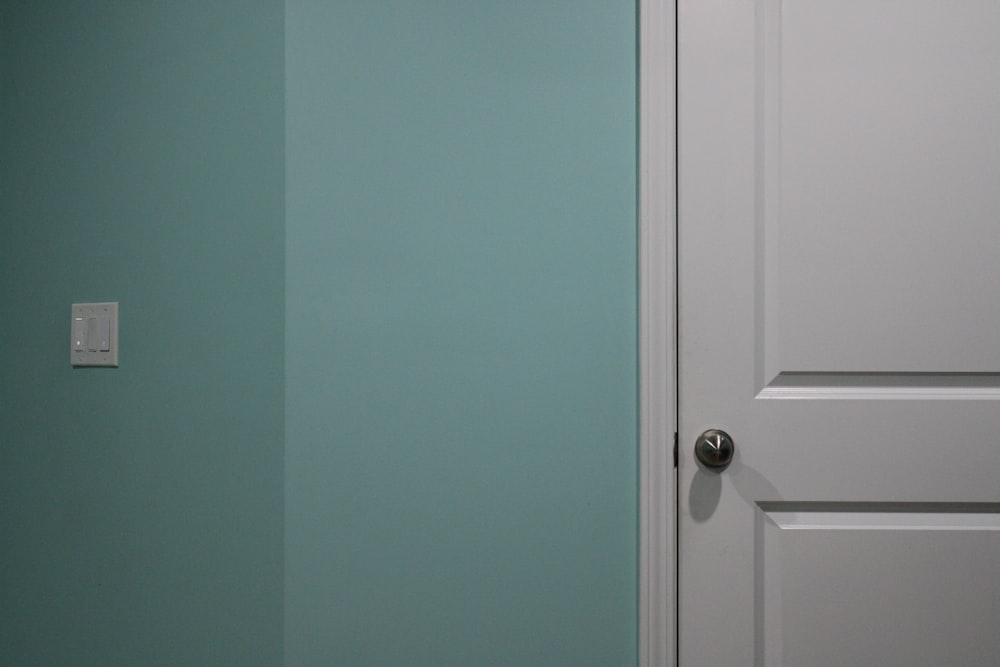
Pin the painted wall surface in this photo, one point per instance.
(460, 333)
(407, 437)
(142, 157)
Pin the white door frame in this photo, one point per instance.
(657, 334)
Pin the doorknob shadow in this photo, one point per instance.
(751, 485)
(706, 488)
(704, 494)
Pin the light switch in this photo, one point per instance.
(104, 334)
(94, 334)
(79, 334)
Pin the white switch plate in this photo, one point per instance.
(94, 334)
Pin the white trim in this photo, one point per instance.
(657, 338)
(882, 393)
(953, 521)
(884, 386)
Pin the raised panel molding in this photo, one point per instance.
(861, 292)
(922, 561)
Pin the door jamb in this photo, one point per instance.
(657, 333)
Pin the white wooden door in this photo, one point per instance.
(839, 317)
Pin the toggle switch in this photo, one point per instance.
(92, 334)
(103, 334)
(79, 334)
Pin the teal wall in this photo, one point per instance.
(142, 161)
(377, 395)
(460, 333)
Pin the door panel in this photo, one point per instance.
(839, 313)
(882, 120)
(863, 586)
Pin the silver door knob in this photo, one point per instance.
(714, 448)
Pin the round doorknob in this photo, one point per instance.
(714, 448)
